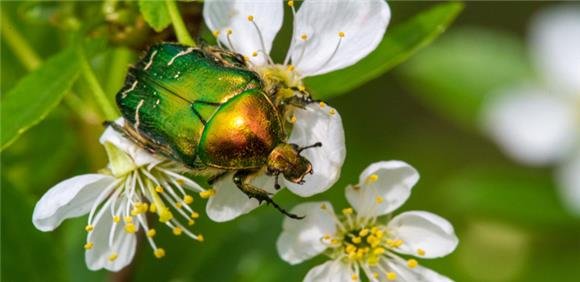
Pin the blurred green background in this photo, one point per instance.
(511, 224)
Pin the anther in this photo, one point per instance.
(372, 179)
(207, 193)
(152, 208)
(177, 231)
(130, 228)
(354, 277)
(229, 32)
(379, 199)
(421, 252)
(113, 256)
(391, 276)
(376, 275)
(178, 205)
(304, 37)
(291, 3)
(290, 68)
(341, 34)
(159, 189)
(116, 219)
(250, 18)
(151, 233)
(363, 232)
(188, 199)
(194, 215)
(412, 263)
(88, 245)
(322, 105)
(378, 251)
(200, 238)
(165, 215)
(323, 206)
(347, 211)
(216, 33)
(332, 112)
(159, 253)
(128, 219)
(293, 119)
(356, 240)
(89, 228)
(190, 222)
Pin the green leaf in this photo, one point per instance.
(155, 14)
(37, 94)
(399, 44)
(26, 252)
(456, 74)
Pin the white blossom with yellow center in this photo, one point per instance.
(118, 200)
(360, 241)
(538, 122)
(327, 36)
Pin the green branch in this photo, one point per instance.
(178, 25)
(18, 44)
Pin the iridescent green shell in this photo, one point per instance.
(201, 107)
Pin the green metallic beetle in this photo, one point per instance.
(204, 108)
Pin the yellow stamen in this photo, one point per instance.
(207, 193)
(216, 33)
(130, 228)
(322, 104)
(89, 228)
(159, 253)
(152, 208)
(250, 18)
(364, 232)
(230, 32)
(188, 199)
(200, 238)
(323, 206)
(293, 119)
(354, 277)
(372, 179)
(412, 263)
(178, 205)
(290, 68)
(421, 252)
(254, 54)
(356, 240)
(347, 211)
(165, 215)
(88, 245)
(378, 251)
(159, 189)
(291, 3)
(376, 275)
(113, 256)
(332, 112)
(304, 36)
(116, 219)
(128, 219)
(190, 222)
(194, 215)
(151, 233)
(177, 231)
(341, 34)
(379, 199)
(391, 276)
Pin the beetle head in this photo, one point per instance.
(286, 159)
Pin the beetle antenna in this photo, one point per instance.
(317, 144)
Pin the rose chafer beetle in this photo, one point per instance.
(204, 108)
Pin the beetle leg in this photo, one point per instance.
(242, 180)
(276, 184)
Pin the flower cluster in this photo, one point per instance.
(538, 122)
(360, 240)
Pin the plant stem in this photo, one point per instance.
(178, 25)
(93, 83)
(18, 44)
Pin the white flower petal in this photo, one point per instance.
(302, 239)
(363, 23)
(569, 183)
(555, 43)
(230, 202)
(138, 154)
(330, 271)
(383, 187)
(124, 244)
(417, 274)
(268, 15)
(531, 125)
(423, 232)
(70, 198)
(318, 124)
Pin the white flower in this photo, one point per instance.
(539, 123)
(117, 201)
(327, 36)
(360, 240)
